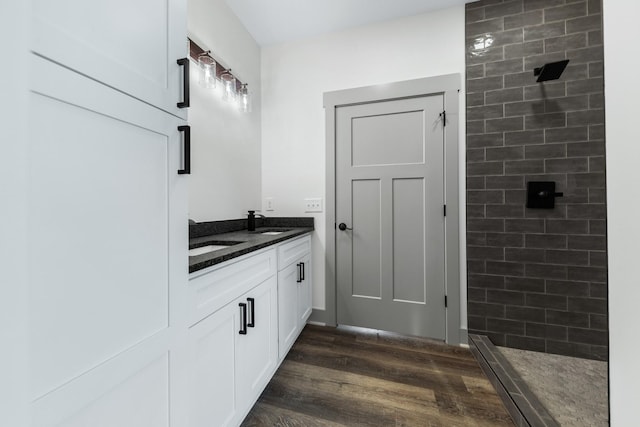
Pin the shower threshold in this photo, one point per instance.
(541, 389)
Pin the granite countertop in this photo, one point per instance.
(242, 240)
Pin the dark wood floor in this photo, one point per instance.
(349, 377)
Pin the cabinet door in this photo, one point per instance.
(304, 293)
(107, 224)
(257, 351)
(212, 377)
(229, 369)
(128, 45)
(287, 308)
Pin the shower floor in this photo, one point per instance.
(549, 390)
(573, 390)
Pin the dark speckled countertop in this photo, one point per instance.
(243, 241)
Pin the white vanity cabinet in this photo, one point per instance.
(233, 343)
(294, 291)
(245, 314)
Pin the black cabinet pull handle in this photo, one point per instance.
(299, 267)
(342, 226)
(243, 319)
(252, 312)
(302, 270)
(187, 150)
(185, 83)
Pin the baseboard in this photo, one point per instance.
(464, 337)
(321, 317)
(311, 322)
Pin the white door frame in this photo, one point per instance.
(449, 86)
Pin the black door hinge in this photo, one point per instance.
(445, 301)
(444, 118)
(444, 210)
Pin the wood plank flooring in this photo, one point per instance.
(353, 377)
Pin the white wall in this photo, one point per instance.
(623, 206)
(294, 78)
(225, 178)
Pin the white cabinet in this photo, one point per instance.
(305, 292)
(107, 243)
(131, 46)
(234, 349)
(287, 308)
(294, 291)
(103, 214)
(213, 369)
(245, 315)
(257, 350)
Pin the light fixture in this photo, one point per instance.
(208, 67)
(214, 76)
(228, 86)
(245, 99)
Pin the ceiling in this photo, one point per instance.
(279, 21)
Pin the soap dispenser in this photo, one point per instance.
(251, 221)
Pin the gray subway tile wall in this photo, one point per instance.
(537, 279)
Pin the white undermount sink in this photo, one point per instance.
(206, 249)
(273, 231)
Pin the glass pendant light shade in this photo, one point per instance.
(245, 99)
(228, 86)
(208, 74)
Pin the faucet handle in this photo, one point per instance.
(253, 213)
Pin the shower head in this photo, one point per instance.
(550, 71)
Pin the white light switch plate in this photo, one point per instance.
(313, 205)
(269, 204)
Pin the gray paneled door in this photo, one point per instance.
(390, 192)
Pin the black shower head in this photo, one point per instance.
(550, 71)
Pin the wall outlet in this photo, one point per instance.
(313, 205)
(269, 204)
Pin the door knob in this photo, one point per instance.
(342, 226)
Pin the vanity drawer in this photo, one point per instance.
(213, 290)
(292, 251)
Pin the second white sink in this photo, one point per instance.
(206, 249)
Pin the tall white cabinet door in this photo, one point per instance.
(106, 220)
(13, 213)
(131, 46)
(305, 293)
(257, 351)
(287, 308)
